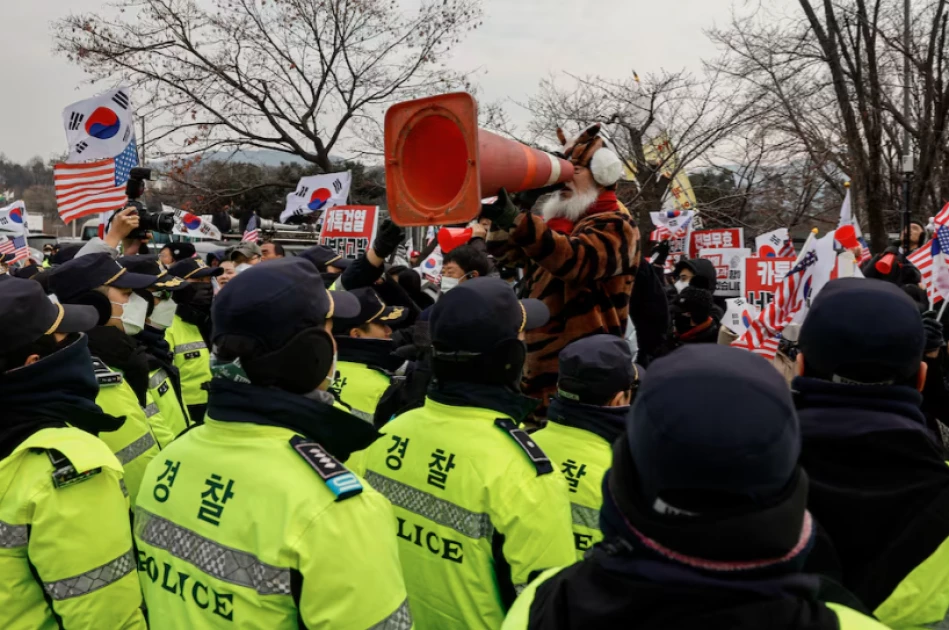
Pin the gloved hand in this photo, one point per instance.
(502, 212)
(388, 240)
(660, 253)
(526, 199)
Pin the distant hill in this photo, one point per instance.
(261, 157)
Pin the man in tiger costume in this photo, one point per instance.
(581, 254)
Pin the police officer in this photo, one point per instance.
(251, 520)
(704, 513)
(190, 331)
(120, 363)
(366, 363)
(169, 413)
(594, 390)
(66, 558)
(479, 507)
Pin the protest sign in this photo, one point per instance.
(350, 230)
(723, 238)
(762, 277)
(729, 266)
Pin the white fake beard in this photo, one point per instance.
(571, 208)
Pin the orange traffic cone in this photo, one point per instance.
(439, 165)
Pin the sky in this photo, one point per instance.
(520, 43)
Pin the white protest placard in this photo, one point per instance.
(729, 266)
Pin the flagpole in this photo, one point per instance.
(907, 149)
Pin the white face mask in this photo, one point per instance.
(681, 284)
(242, 267)
(133, 314)
(449, 283)
(164, 314)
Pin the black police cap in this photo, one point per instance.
(371, 309)
(273, 302)
(595, 368)
(26, 314)
(85, 273)
(481, 313)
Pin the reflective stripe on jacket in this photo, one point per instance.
(192, 358)
(475, 518)
(235, 529)
(582, 458)
(66, 557)
(134, 443)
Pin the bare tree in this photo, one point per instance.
(829, 75)
(659, 125)
(304, 77)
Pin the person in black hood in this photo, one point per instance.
(700, 274)
(694, 318)
(879, 479)
(704, 513)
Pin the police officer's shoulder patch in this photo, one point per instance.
(337, 477)
(104, 374)
(64, 473)
(534, 452)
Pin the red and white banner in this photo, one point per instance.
(762, 278)
(729, 267)
(724, 238)
(350, 230)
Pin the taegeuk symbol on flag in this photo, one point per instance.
(99, 127)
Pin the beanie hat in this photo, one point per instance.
(696, 302)
(862, 331)
(712, 479)
(589, 150)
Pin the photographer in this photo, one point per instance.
(131, 226)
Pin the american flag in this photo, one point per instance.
(15, 245)
(922, 258)
(251, 232)
(787, 250)
(93, 187)
(790, 297)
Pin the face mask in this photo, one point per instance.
(133, 314)
(242, 267)
(681, 284)
(164, 314)
(683, 323)
(449, 283)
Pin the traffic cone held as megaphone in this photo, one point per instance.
(439, 164)
(847, 236)
(450, 238)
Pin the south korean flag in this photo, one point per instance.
(99, 127)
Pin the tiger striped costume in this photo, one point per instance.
(585, 278)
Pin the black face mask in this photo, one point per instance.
(683, 323)
(197, 295)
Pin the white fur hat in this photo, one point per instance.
(606, 167)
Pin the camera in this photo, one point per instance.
(163, 222)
